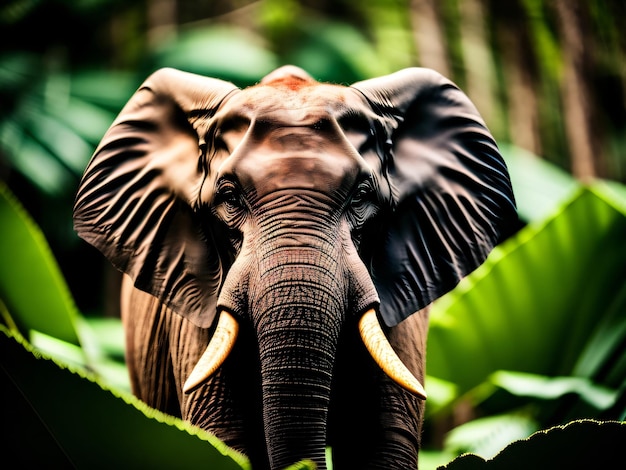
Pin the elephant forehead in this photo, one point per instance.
(291, 139)
(265, 171)
(286, 104)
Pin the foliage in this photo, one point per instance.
(50, 320)
(220, 43)
(60, 417)
(539, 186)
(579, 444)
(28, 262)
(509, 304)
(523, 355)
(517, 403)
(541, 322)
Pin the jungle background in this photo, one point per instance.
(535, 338)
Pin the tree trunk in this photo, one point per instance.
(574, 92)
(430, 39)
(479, 66)
(519, 64)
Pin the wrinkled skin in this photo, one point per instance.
(293, 207)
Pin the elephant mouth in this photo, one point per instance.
(371, 333)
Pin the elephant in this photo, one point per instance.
(280, 246)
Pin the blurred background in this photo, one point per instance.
(548, 76)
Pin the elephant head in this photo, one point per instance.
(296, 210)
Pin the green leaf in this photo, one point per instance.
(49, 318)
(539, 186)
(303, 465)
(86, 120)
(540, 387)
(33, 160)
(62, 418)
(65, 352)
(487, 436)
(109, 333)
(578, 444)
(429, 459)
(540, 298)
(31, 284)
(53, 121)
(441, 394)
(103, 340)
(61, 142)
(107, 90)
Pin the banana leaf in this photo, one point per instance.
(539, 186)
(36, 302)
(60, 417)
(542, 300)
(32, 288)
(579, 444)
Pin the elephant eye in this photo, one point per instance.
(365, 192)
(364, 203)
(229, 203)
(364, 206)
(361, 195)
(227, 194)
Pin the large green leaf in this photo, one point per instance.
(106, 91)
(539, 186)
(33, 160)
(36, 301)
(487, 436)
(579, 444)
(32, 286)
(540, 298)
(56, 417)
(540, 387)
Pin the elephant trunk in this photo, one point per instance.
(297, 298)
(298, 320)
(296, 284)
(296, 395)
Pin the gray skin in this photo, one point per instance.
(294, 206)
(371, 422)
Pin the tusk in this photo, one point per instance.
(384, 355)
(216, 352)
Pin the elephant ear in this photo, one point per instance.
(451, 195)
(137, 199)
